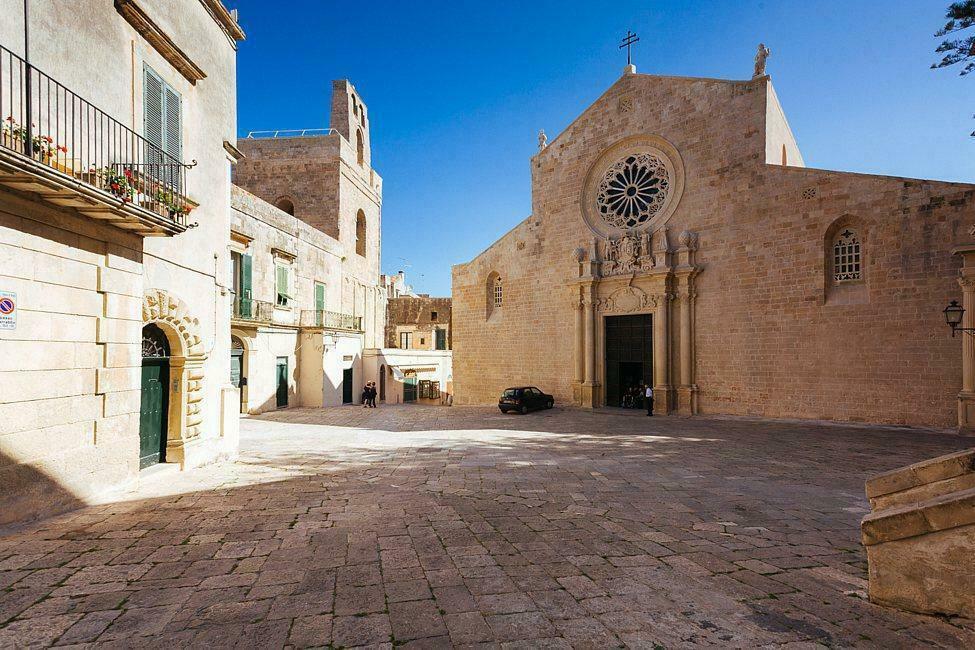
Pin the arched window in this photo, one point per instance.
(360, 233)
(846, 256)
(285, 204)
(494, 294)
(359, 146)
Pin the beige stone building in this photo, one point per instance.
(114, 209)
(677, 239)
(418, 322)
(305, 254)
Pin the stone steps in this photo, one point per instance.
(920, 537)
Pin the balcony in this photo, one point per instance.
(261, 312)
(330, 320)
(70, 153)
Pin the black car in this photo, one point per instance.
(524, 399)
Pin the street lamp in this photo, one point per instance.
(953, 315)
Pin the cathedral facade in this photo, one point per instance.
(677, 240)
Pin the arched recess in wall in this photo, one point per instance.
(785, 157)
(285, 204)
(360, 147)
(845, 261)
(494, 293)
(360, 233)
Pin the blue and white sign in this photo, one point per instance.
(8, 310)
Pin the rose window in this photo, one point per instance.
(633, 190)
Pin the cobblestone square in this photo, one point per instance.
(439, 527)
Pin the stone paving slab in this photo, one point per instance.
(460, 527)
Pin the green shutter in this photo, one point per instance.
(153, 109)
(281, 282)
(246, 293)
(319, 296)
(173, 138)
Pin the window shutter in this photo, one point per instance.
(173, 139)
(246, 293)
(319, 296)
(153, 109)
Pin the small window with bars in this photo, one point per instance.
(847, 257)
(498, 292)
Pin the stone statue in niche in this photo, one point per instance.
(627, 254)
(760, 58)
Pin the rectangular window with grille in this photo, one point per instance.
(441, 339)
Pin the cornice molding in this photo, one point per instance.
(159, 40)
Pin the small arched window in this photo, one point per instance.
(360, 233)
(285, 204)
(847, 256)
(785, 157)
(494, 294)
(360, 146)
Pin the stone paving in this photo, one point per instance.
(438, 527)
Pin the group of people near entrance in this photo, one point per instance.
(634, 395)
(369, 393)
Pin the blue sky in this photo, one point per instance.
(457, 92)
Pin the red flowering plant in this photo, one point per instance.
(119, 183)
(41, 145)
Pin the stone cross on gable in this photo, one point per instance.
(627, 41)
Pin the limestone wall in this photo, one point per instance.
(415, 315)
(69, 376)
(82, 285)
(772, 337)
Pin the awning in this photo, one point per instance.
(400, 372)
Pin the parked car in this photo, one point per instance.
(524, 399)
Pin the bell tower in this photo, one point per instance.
(351, 118)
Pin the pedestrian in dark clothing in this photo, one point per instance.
(365, 396)
(372, 394)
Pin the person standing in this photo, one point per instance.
(649, 398)
(372, 394)
(365, 396)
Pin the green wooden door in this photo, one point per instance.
(154, 411)
(282, 394)
(409, 389)
(319, 303)
(246, 299)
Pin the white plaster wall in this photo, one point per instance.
(262, 350)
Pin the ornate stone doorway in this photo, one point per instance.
(181, 331)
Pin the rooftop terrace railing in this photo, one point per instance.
(46, 122)
(291, 133)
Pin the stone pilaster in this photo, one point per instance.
(966, 397)
(661, 358)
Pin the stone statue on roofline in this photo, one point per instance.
(542, 139)
(760, 58)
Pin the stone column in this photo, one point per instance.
(966, 398)
(661, 387)
(687, 391)
(580, 363)
(590, 393)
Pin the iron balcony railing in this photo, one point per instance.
(330, 320)
(45, 121)
(258, 311)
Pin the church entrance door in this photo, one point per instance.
(153, 420)
(629, 355)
